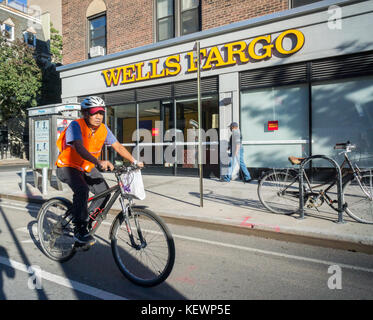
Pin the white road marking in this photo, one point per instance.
(276, 254)
(266, 252)
(26, 230)
(34, 231)
(95, 292)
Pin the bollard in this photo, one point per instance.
(23, 183)
(45, 181)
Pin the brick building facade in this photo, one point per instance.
(130, 24)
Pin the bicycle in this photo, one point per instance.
(142, 245)
(278, 191)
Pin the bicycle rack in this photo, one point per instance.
(339, 186)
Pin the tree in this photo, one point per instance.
(20, 83)
(55, 45)
(20, 79)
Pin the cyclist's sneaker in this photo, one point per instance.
(82, 236)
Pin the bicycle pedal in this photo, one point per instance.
(82, 246)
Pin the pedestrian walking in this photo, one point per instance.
(237, 154)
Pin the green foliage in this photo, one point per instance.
(55, 45)
(20, 79)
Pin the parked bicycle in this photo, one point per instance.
(278, 190)
(142, 245)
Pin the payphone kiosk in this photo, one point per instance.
(45, 126)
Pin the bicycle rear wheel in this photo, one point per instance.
(55, 230)
(358, 198)
(149, 258)
(278, 191)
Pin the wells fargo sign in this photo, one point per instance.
(239, 52)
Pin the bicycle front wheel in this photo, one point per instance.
(358, 198)
(146, 258)
(278, 191)
(55, 230)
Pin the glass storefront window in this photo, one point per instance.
(157, 131)
(274, 125)
(122, 122)
(341, 111)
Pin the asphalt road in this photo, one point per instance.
(209, 265)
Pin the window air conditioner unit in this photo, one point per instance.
(96, 51)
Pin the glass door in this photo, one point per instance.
(187, 126)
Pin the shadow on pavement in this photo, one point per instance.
(228, 200)
(4, 270)
(40, 292)
(95, 267)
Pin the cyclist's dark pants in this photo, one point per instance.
(81, 183)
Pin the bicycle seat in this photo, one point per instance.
(295, 160)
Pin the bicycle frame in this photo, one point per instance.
(94, 215)
(323, 193)
(353, 195)
(126, 212)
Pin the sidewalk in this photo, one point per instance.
(230, 206)
(14, 162)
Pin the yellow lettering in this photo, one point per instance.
(300, 41)
(139, 76)
(114, 76)
(240, 53)
(193, 61)
(173, 65)
(235, 52)
(192, 65)
(128, 74)
(267, 48)
(214, 56)
(154, 74)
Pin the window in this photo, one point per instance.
(299, 3)
(176, 18)
(189, 16)
(97, 36)
(288, 105)
(8, 31)
(343, 110)
(165, 19)
(29, 38)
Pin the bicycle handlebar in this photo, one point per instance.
(124, 169)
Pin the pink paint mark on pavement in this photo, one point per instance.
(245, 223)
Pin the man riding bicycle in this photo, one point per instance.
(80, 146)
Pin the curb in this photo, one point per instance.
(321, 240)
(8, 163)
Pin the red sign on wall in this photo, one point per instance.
(272, 125)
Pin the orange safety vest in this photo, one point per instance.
(69, 157)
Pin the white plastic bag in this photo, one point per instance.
(133, 184)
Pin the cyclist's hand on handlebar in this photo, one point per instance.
(105, 165)
(140, 164)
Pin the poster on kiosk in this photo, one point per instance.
(46, 123)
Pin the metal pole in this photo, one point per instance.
(23, 184)
(44, 186)
(199, 123)
(301, 193)
(339, 186)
